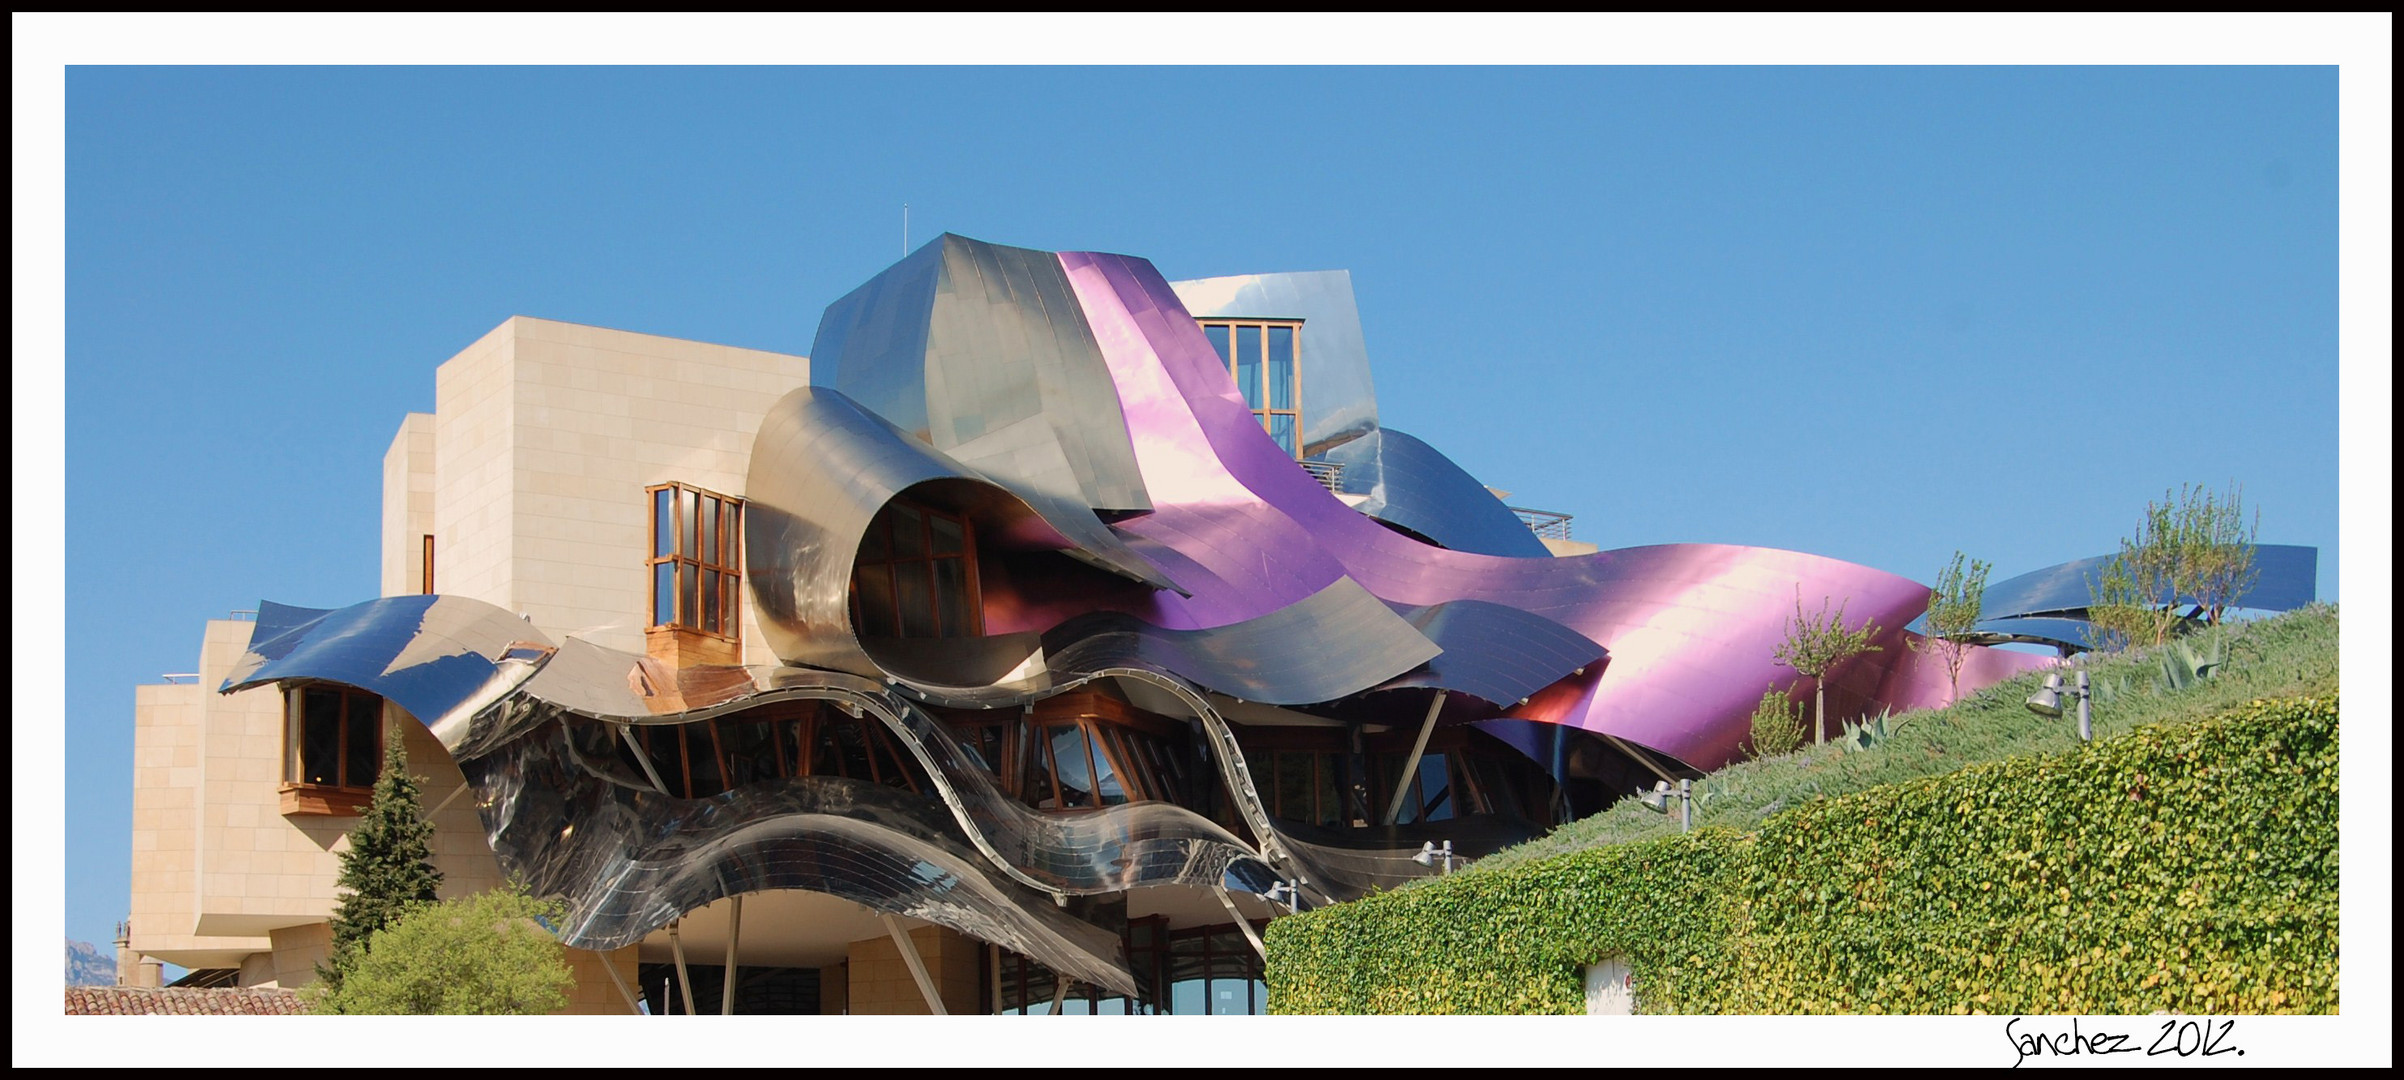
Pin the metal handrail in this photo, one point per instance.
(1329, 474)
(1548, 524)
(243, 615)
(170, 677)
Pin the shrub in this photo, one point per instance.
(486, 954)
(2186, 867)
(1777, 724)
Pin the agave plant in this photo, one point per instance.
(1869, 733)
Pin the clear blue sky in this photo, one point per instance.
(1873, 313)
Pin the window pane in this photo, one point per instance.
(1281, 367)
(947, 534)
(909, 533)
(688, 522)
(1292, 785)
(663, 594)
(1434, 785)
(873, 547)
(917, 599)
(711, 593)
(1107, 783)
(1075, 771)
(363, 717)
(1330, 803)
(877, 615)
(1247, 364)
(951, 595)
(732, 557)
(321, 736)
(1218, 340)
(733, 601)
(708, 551)
(1281, 428)
(751, 751)
(663, 523)
(689, 583)
(701, 748)
(666, 746)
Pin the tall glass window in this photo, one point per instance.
(916, 575)
(696, 560)
(333, 737)
(1264, 357)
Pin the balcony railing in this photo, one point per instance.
(1329, 474)
(1547, 524)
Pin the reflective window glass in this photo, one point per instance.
(663, 523)
(701, 757)
(363, 741)
(909, 533)
(1281, 367)
(916, 581)
(1218, 340)
(1281, 428)
(708, 551)
(321, 737)
(663, 594)
(878, 618)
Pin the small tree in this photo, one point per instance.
(1815, 645)
(481, 955)
(2192, 547)
(1953, 608)
(1777, 724)
(388, 869)
(2224, 568)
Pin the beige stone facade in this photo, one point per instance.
(530, 477)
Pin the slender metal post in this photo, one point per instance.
(1410, 769)
(993, 960)
(1685, 805)
(684, 978)
(633, 1004)
(2086, 729)
(734, 937)
(643, 759)
(918, 967)
(1242, 923)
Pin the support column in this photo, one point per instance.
(917, 965)
(1410, 769)
(734, 937)
(1243, 924)
(684, 978)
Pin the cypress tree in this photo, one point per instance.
(389, 867)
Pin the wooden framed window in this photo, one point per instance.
(1265, 357)
(916, 575)
(696, 560)
(425, 575)
(333, 748)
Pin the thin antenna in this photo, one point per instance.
(905, 229)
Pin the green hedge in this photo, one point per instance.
(2186, 867)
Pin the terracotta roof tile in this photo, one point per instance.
(142, 1001)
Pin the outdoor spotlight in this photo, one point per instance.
(1429, 853)
(1657, 801)
(2048, 701)
(1283, 892)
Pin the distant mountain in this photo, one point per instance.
(88, 966)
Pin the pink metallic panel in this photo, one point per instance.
(1690, 627)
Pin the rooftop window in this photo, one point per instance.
(1264, 356)
(696, 560)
